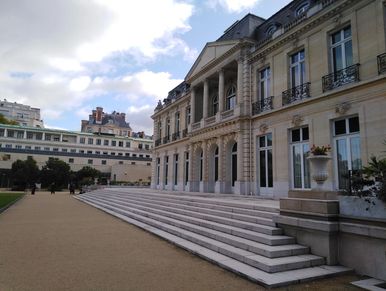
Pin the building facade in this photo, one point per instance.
(25, 115)
(126, 159)
(106, 123)
(258, 98)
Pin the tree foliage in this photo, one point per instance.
(87, 175)
(4, 120)
(24, 173)
(57, 172)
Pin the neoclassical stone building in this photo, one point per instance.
(261, 95)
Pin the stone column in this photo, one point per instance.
(221, 87)
(192, 106)
(205, 174)
(206, 99)
(191, 178)
(239, 96)
(219, 186)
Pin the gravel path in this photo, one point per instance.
(54, 242)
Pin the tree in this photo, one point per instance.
(24, 173)
(4, 120)
(87, 175)
(55, 171)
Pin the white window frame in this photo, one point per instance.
(300, 64)
(342, 46)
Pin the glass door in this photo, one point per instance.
(265, 171)
(348, 149)
(300, 149)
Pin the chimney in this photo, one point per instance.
(98, 116)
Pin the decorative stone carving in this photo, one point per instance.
(342, 108)
(295, 42)
(263, 127)
(297, 120)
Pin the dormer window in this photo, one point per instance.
(302, 8)
(271, 29)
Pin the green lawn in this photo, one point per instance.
(6, 198)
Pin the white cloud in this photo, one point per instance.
(79, 84)
(233, 5)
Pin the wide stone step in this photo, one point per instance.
(252, 204)
(259, 224)
(224, 234)
(269, 265)
(272, 240)
(222, 209)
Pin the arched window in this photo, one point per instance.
(302, 8)
(234, 164)
(231, 97)
(215, 104)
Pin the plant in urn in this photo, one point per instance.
(319, 159)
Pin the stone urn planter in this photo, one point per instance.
(319, 171)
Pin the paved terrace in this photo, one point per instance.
(54, 242)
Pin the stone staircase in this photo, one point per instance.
(235, 233)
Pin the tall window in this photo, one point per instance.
(186, 167)
(187, 116)
(300, 149)
(216, 165)
(166, 169)
(159, 129)
(214, 104)
(231, 97)
(264, 83)
(234, 164)
(347, 148)
(158, 169)
(341, 49)
(175, 169)
(177, 122)
(265, 161)
(167, 129)
(297, 69)
(201, 164)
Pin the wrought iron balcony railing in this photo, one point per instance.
(296, 93)
(341, 77)
(166, 139)
(264, 104)
(185, 133)
(381, 63)
(158, 142)
(176, 136)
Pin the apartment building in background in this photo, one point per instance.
(25, 115)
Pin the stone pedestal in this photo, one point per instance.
(313, 220)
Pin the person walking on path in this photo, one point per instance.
(33, 189)
(52, 188)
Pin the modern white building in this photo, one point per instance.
(126, 159)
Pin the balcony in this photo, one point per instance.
(176, 136)
(196, 125)
(166, 139)
(158, 142)
(185, 133)
(210, 120)
(381, 63)
(262, 105)
(296, 93)
(340, 78)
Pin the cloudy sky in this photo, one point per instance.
(69, 56)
